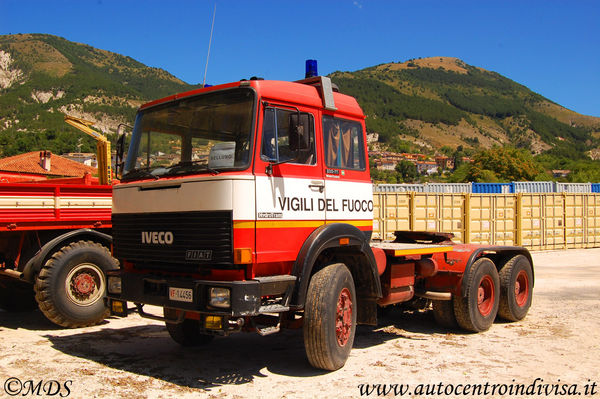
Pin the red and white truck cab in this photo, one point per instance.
(248, 206)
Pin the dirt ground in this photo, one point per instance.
(554, 352)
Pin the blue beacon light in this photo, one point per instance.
(311, 69)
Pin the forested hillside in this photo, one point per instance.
(44, 76)
(431, 105)
(436, 105)
(443, 101)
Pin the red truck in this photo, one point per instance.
(248, 207)
(55, 248)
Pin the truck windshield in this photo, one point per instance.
(209, 132)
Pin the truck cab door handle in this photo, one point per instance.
(317, 185)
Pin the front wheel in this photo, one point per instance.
(477, 310)
(330, 317)
(516, 283)
(71, 284)
(186, 333)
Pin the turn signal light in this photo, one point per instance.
(118, 308)
(213, 322)
(242, 256)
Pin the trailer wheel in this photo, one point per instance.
(330, 317)
(186, 333)
(16, 296)
(443, 313)
(71, 284)
(516, 278)
(477, 310)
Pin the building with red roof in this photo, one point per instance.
(40, 165)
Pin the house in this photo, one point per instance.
(385, 164)
(444, 162)
(40, 165)
(560, 173)
(413, 157)
(427, 167)
(86, 158)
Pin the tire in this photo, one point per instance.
(477, 310)
(330, 317)
(443, 313)
(186, 333)
(16, 295)
(72, 283)
(516, 288)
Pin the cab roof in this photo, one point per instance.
(274, 90)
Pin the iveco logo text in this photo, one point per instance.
(157, 237)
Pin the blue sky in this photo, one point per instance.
(551, 46)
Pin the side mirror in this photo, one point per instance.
(119, 156)
(120, 150)
(299, 134)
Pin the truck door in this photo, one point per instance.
(349, 196)
(289, 189)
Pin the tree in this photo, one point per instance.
(504, 163)
(407, 170)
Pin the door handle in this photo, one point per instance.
(318, 185)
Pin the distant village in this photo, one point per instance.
(385, 160)
(426, 165)
(42, 164)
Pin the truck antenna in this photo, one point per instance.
(209, 43)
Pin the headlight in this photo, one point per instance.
(114, 285)
(219, 297)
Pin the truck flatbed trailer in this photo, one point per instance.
(54, 205)
(55, 248)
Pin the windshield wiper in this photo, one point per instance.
(138, 173)
(189, 166)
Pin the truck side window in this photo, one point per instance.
(275, 138)
(344, 147)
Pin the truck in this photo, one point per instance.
(248, 206)
(55, 248)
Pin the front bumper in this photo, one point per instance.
(247, 298)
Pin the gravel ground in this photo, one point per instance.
(553, 352)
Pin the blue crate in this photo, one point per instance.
(493, 188)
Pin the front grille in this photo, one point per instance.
(200, 240)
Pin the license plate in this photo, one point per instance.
(181, 294)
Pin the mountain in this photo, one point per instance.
(44, 76)
(424, 105)
(434, 102)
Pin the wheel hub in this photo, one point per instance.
(84, 284)
(485, 296)
(521, 288)
(343, 324)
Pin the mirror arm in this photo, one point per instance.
(269, 168)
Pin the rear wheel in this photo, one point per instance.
(186, 333)
(443, 313)
(330, 317)
(71, 284)
(516, 283)
(477, 310)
